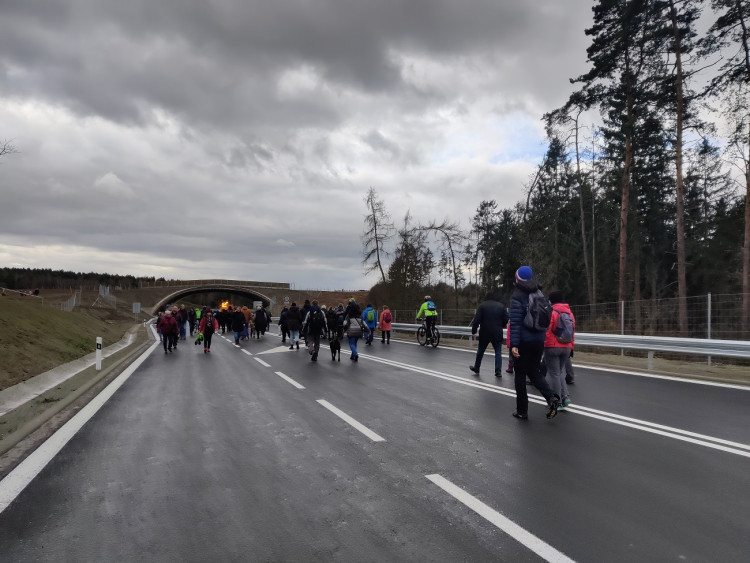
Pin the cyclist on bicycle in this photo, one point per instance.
(429, 311)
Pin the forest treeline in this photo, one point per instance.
(642, 192)
(34, 278)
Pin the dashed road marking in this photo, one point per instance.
(290, 380)
(521, 535)
(346, 418)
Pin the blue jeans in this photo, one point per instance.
(353, 345)
(497, 346)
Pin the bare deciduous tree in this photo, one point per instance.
(378, 230)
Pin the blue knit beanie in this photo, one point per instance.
(524, 273)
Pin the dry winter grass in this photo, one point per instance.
(36, 337)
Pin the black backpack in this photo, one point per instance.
(317, 321)
(539, 315)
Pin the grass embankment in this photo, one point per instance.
(35, 337)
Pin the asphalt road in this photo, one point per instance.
(258, 454)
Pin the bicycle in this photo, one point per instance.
(422, 331)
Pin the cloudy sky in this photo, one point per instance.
(238, 138)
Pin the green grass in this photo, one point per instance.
(35, 337)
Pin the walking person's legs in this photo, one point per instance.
(481, 347)
(570, 375)
(555, 360)
(353, 347)
(497, 345)
(527, 365)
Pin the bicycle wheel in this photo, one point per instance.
(435, 337)
(420, 335)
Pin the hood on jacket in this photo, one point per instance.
(528, 286)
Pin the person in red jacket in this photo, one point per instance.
(558, 345)
(208, 326)
(386, 318)
(169, 330)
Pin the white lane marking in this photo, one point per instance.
(289, 379)
(524, 537)
(667, 377)
(661, 430)
(261, 362)
(275, 350)
(246, 352)
(17, 480)
(345, 417)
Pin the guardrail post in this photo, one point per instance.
(650, 360)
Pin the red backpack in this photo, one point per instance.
(387, 317)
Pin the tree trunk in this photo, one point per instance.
(680, 219)
(624, 208)
(746, 247)
(584, 242)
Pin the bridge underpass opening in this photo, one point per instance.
(215, 296)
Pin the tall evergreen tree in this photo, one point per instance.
(730, 34)
(621, 54)
(413, 260)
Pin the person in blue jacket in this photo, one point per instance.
(372, 323)
(527, 347)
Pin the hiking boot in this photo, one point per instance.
(553, 404)
(509, 370)
(521, 416)
(570, 381)
(297, 345)
(498, 374)
(475, 370)
(291, 347)
(315, 357)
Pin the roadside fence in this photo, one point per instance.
(709, 316)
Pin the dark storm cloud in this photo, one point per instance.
(136, 119)
(219, 61)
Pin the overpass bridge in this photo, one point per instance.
(154, 296)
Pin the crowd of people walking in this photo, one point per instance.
(539, 333)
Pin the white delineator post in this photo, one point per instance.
(98, 353)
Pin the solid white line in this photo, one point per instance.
(17, 480)
(261, 362)
(289, 379)
(541, 548)
(246, 352)
(667, 377)
(345, 417)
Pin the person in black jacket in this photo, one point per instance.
(527, 347)
(238, 324)
(490, 318)
(283, 324)
(294, 323)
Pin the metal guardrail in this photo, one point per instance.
(691, 346)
